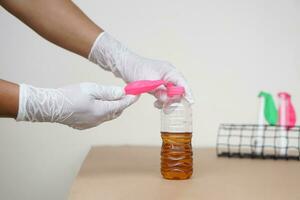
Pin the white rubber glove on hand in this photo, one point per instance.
(80, 106)
(112, 56)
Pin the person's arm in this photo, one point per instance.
(9, 99)
(79, 106)
(64, 24)
(59, 21)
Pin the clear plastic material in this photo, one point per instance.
(176, 133)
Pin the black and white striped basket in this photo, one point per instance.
(258, 141)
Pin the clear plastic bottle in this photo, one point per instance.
(176, 134)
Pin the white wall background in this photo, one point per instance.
(228, 51)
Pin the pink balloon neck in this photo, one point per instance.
(173, 90)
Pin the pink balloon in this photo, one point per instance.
(286, 108)
(144, 86)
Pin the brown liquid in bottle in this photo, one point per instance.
(176, 156)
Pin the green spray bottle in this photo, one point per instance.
(267, 113)
(268, 108)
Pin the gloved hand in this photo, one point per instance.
(112, 56)
(80, 106)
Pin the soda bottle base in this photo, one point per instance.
(176, 156)
(175, 175)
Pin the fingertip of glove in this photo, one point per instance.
(132, 98)
(118, 92)
(114, 93)
(189, 99)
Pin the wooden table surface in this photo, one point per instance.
(131, 172)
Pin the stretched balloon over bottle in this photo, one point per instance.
(144, 86)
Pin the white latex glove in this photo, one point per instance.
(80, 106)
(112, 56)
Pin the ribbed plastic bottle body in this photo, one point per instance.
(176, 133)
